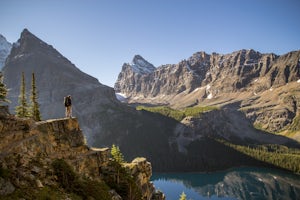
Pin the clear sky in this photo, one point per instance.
(99, 36)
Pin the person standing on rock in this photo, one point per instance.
(68, 105)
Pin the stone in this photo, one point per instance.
(6, 187)
(36, 170)
(39, 184)
(115, 195)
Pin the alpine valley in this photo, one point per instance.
(206, 113)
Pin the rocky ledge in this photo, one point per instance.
(28, 150)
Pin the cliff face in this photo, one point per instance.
(218, 74)
(28, 150)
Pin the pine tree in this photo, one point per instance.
(116, 154)
(3, 90)
(182, 196)
(35, 107)
(22, 108)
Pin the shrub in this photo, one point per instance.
(72, 183)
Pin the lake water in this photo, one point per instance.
(241, 183)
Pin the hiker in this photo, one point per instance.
(68, 105)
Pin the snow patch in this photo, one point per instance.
(19, 56)
(208, 87)
(255, 80)
(298, 81)
(210, 96)
(121, 97)
(196, 89)
(141, 66)
(199, 88)
(271, 89)
(141, 69)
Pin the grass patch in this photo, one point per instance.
(178, 115)
(295, 126)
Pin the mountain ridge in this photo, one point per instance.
(5, 48)
(219, 79)
(245, 66)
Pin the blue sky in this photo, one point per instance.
(99, 36)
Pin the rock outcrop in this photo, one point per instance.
(28, 150)
(56, 77)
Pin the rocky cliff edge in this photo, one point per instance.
(28, 150)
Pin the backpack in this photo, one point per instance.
(67, 101)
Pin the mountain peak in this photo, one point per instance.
(25, 31)
(141, 66)
(26, 34)
(29, 44)
(136, 58)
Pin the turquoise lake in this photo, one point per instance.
(240, 183)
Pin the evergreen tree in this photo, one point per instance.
(35, 107)
(116, 154)
(22, 108)
(3, 90)
(182, 196)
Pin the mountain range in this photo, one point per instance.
(263, 86)
(253, 93)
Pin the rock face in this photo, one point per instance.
(244, 76)
(227, 123)
(56, 77)
(132, 73)
(142, 170)
(5, 48)
(244, 67)
(28, 149)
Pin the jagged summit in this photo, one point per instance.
(28, 45)
(141, 66)
(138, 67)
(26, 33)
(5, 48)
